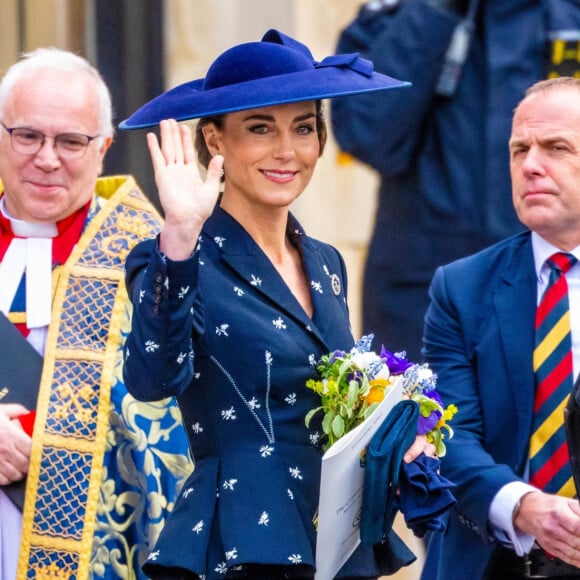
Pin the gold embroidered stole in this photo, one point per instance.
(84, 339)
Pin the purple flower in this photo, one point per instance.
(397, 364)
(355, 376)
(336, 355)
(433, 394)
(425, 424)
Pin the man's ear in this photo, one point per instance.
(103, 151)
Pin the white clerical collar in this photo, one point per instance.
(24, 229)
(31, 250)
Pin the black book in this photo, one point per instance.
(20, 371)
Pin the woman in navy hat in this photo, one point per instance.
(234, 304)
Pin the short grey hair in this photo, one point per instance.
(61, 60)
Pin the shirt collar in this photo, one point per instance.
(542, 251)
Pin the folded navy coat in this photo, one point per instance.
(417, 489)
(383, 467)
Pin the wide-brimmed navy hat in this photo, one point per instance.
(275, 71)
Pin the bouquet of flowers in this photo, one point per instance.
(353, 384)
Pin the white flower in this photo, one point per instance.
(229, 414)
(295, 472)
(198, 528)
(222, 330)
(229, 484)
(151, 346)
(253, 403)
(295, 558)
(264, 519)
(368, 360)
(266, 450)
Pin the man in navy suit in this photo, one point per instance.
(479, 339)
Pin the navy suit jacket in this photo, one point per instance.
(479, 336)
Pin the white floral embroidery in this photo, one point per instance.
(153, 555)
(198, 528)
(295, 558)
(269, 358)
(229, 484)
(182, 356)
(238, 291)
(309, 328)
(264, 519)
(290, 494)
(316, 286)
(221, 568)
(222, 330)
(253, 403)
(279, 323)
(141, 295)
(255, 281)
(291, 399)
(187, 492)
(266, 450)
(219, 241)
(232, 554)
(315, 438)
(229, 414)
(197, 428)
(312, 360)
(151, 346)
(166, 283)
(183, 292)
(295, 472)
(326, 271)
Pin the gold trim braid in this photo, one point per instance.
(74, 405)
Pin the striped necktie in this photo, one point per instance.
(549, 460)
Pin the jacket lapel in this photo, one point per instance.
(250, 263)
(515, 303)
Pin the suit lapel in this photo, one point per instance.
(515, 303)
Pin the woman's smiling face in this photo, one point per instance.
(269, 153)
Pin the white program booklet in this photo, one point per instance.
(341, 490)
